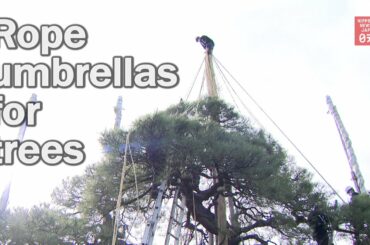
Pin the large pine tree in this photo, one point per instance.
(185, 145)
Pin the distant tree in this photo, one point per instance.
(41, 225)
(23, 226)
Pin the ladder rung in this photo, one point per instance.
(179, 206)
(176, 221)
(176, 238)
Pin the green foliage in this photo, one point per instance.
(189, 140)
(355, 216)
(358, 212)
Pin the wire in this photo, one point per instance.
(281, 131)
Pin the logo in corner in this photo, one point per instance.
(362, 30)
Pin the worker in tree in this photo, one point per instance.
(322, 230)
(206, 43)
(357, 226)
(351, 192)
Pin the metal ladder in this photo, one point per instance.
(176, 219)
(152, 224)
(4, 199)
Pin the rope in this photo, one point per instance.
(236, 94)
(281, 131)
(135, 177)
(195, 79)
(115, 229)
(137, 192)
(202, 85)
(228, 88)
(195, 215)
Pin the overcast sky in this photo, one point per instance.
(288, 54)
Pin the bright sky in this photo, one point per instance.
(288, 54)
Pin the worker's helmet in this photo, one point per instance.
(350, 190)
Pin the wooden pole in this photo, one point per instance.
(222, 236)
(119, 198)
(210, 76)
